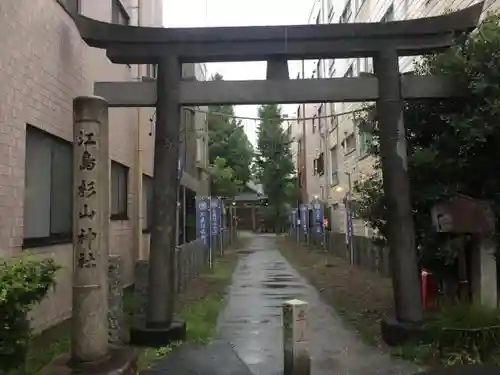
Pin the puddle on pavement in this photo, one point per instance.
(248, 321)
(282, 278)
(273, 285)
(246, 252)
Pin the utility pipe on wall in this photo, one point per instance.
(138, 220)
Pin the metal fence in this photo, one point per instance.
(190, 260)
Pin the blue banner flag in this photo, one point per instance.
(304, 218)
(318, 215)
(203, 219)
(215, 216)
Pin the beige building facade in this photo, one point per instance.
(44, 64)
(345, 150)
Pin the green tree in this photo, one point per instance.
(224, 182)
(227, 140)
(274, 165)
(452, 144)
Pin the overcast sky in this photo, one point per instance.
(200, 13)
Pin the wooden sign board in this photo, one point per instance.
(462, 214)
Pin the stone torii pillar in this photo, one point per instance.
(160, 327)
(393, 152)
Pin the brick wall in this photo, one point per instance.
(43, 66)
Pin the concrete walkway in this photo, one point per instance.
(251, 321)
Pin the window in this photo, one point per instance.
(320, 164)
(314, 123)
(349, 144)
(48, 195)
(119, 191)
(389, 14)
(315, 166)
(365, 142)
(147, 202)
(334, 164)
(118, 13)
(345, 17)
(72, 6)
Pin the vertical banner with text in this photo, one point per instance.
(215, 216)
(318, 214)
(203, 219)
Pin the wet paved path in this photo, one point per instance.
(251, 322)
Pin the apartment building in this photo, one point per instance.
(344, 155)
(44, 64)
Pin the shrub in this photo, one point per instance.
(458, 334)
(466, 334)
(23, 284)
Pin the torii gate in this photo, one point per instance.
(384, 42)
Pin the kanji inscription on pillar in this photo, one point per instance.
(91, 176)
(87, 226)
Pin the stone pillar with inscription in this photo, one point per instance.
(90, 230)
(297, 360)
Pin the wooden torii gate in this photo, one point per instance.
(384, 42)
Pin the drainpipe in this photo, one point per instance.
(305, 199)
(138, 240)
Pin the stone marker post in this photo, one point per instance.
(295, 338)
(90, 230)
